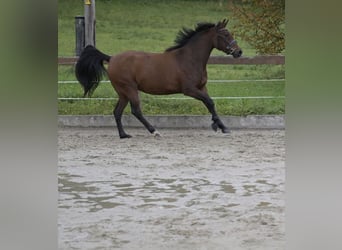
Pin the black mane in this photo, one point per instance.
(185, 34)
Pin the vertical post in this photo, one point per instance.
(89, 21)
(79, 29)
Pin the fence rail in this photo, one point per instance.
(186, 98)
(175, 98)
(256, 60)
(225, 60)
(208, 81)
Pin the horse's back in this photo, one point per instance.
(123, 64)
(153, 73)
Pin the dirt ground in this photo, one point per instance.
(190, 189)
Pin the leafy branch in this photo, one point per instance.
(261, 23)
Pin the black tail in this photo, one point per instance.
(89, 68)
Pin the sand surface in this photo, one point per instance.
(190, 189)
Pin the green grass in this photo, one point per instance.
(139, 25)
(152, 26)
(157, 105)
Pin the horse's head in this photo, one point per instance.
(224, 40)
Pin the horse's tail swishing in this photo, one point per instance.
(89, 68)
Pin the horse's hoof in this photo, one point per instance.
(156, 134)
(214, 126)
(226, 131)
(125, 136)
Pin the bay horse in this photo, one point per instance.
(179, 69)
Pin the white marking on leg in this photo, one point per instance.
(156, 134)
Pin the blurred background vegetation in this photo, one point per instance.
(152, 25)
(261, 23)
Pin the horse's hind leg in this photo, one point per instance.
(136, 111)
(119, 108)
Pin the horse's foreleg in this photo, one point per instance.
(118, 110)
(209, 103)
(217, 123)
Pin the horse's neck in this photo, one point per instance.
(198, 51)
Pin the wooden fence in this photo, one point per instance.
(256, 60)
(223, 60)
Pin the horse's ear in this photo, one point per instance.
(222, 24)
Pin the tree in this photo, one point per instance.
(261, 23)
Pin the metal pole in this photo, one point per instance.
(89, 21)
(79, 29)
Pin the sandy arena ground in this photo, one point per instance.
(190, 189)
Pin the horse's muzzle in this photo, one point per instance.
(237, 53)
(233, 49)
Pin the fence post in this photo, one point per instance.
(79, 29)
(89, 21)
